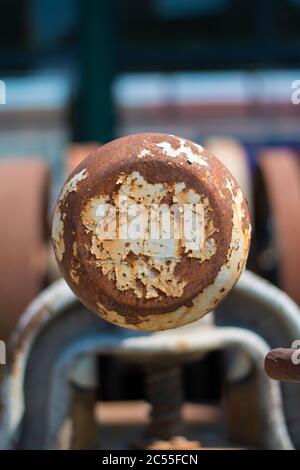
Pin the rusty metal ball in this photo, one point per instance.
(150, 283)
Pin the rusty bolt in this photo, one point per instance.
(151, 282)
(164, 392)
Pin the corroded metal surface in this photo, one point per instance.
(165, 395)
(145, 283)
(283, 364)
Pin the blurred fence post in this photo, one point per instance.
(97, 69)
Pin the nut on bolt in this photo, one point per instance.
(123, 272)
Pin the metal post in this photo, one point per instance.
(97, 68)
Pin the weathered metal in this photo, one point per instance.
(146, 283)
(165, 395)
(283, 364)
(83, 423)
(44, 352)
(83, 426)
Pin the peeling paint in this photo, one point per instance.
(184, 149)
(144, 153)
(58, 233)
(75, 249)
(72, 184)
(58, 217)
(152, 270)
(74, 276)
(75, 265)
(205, 301)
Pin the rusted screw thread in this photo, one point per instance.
(164, 393)
(282, 364)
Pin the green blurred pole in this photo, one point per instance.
(97, 70)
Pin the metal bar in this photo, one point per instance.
(282, 307)
(181, 342)
(283, 364)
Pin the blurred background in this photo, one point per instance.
(79, 73)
